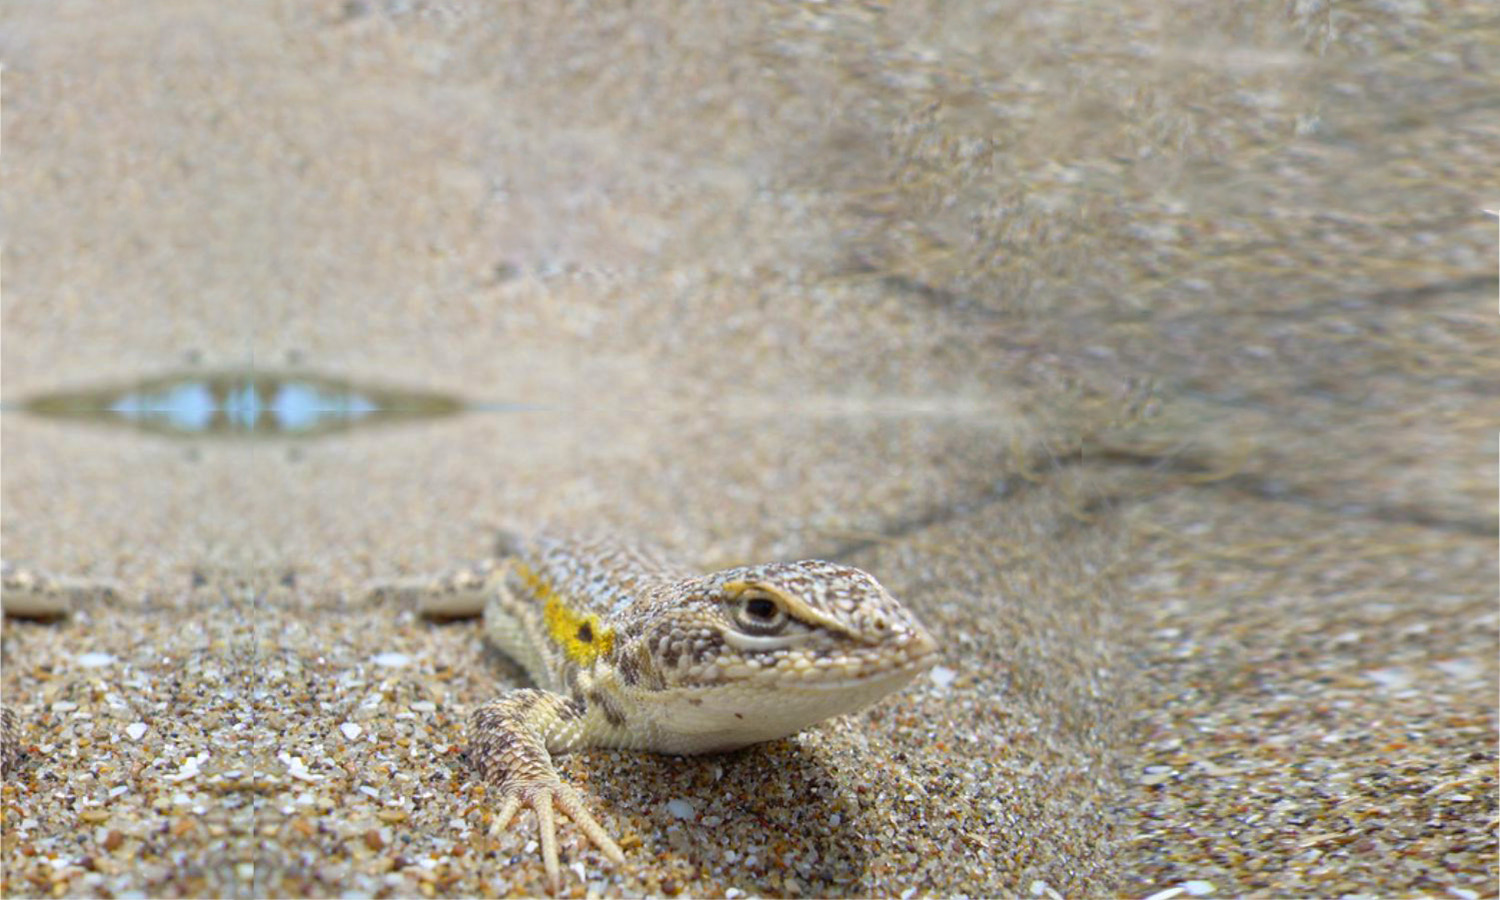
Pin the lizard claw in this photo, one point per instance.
(544, 799)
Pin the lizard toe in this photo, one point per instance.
(545, 800)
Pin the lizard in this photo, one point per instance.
(10, 739)
(628, 650)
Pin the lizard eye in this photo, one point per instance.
(759, 614)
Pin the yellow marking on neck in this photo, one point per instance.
(564, 625)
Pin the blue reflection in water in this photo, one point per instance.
(226, 404)
(187, 407)
(242, 407)
(298, 406)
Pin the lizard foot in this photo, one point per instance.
(544, 798)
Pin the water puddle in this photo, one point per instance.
(244, 405)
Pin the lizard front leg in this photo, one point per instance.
(511, 742)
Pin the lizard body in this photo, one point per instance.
(628, 650)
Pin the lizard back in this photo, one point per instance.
(561, 599)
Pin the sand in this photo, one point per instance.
(1146, 353)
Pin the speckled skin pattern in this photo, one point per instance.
(628, 650)
(10, 742)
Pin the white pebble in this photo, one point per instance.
(93, 660)
(1463, 893)
(1464, 670)
(908, 893)
(680, 808)
(296, 768)
(135, 730)
(1393, 678)
(942, 676)
(1167, 894)
(732, 893)
(64, 706)
(190, 769)
(391, 660)
(1198, 888)
(427, 706)
(351, 731)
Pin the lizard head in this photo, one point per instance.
(815, 622)
(767, 650)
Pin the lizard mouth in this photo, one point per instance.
(846, 669)
(871, 677)
(874, 669)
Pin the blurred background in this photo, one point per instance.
(1148, 350)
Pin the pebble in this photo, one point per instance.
(1198, 888)
(680, 808)
(296, 768)
(391, 660)
(135, 730)
(1461, 669)
(942, 676)
(351, 731)
(1393, 678)
(189, 768)
(93, 660)
(1041, 888)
